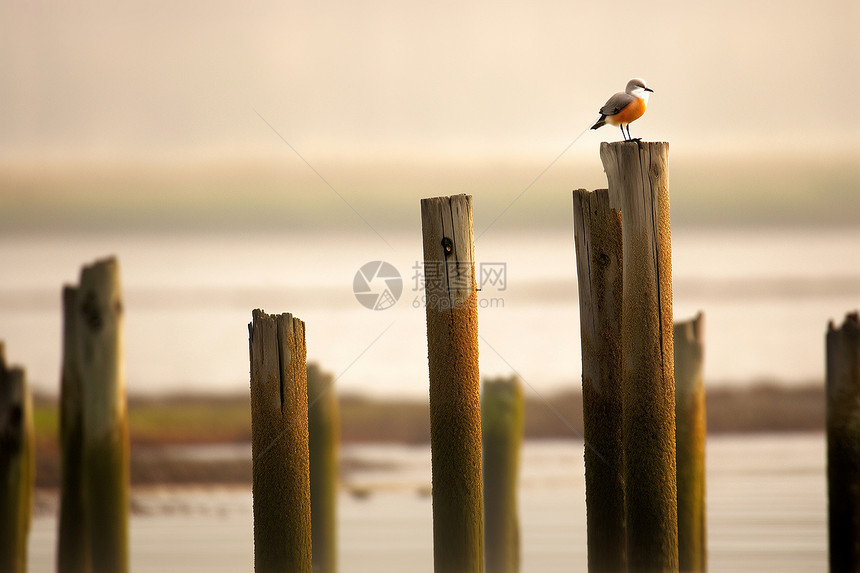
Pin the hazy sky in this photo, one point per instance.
(369, 77)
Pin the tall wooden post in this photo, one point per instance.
(455, 406)
(99, 331)
(17, 467)
(323, 440)
(73, 542)
(503, 422)
(598, 238)
(843, 443)
(638, 184)
(690, 434)
(279, 444)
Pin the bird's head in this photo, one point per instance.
(637, 88)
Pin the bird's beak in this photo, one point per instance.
(649, 90)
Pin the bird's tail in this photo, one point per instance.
(600, 122)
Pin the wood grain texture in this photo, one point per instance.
(279, 444)
(638, 183)
(455, 407)
(598, 240)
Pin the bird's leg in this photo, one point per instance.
(630, 137)
(622, 132)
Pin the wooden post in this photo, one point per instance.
(455, 405)
(279, 444)
(690, 434)
(323, 439)
(99, 330)
(73, 543)
(17, 467)
(503, 421)
(598, 237)
(638, 184)
(843, 443)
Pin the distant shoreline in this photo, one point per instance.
(202, 420)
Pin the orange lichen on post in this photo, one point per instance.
(279, 444)
(455, 406)
(639, 186)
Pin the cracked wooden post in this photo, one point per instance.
(101, 365)
(73, 543)
(503, 421)
(17, 466)
(690, 435)
(843, 444)
(638, 184)
(598, 238)
(455, 406)
(323, 440)
(279, 444)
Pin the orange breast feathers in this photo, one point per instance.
(631, 112)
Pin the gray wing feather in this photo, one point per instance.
(616, 103)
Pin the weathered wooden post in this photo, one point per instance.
(17, 466)
(73, 542)
(843, 443)
(99, 358)
(455, 405)
(502, 422)
(598, 239)
(690, 434)
(323, 439)
(638, 184)
(279, 444)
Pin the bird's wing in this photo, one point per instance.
(616, 103)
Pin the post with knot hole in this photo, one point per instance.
(455, 405)
(279, 444)
(17, 466)
(639, 187)
(843, 443)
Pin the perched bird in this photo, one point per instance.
(625, 107)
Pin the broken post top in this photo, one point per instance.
(278, 359)
(449, 257)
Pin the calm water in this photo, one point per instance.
(767, 297)
(767, 511)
